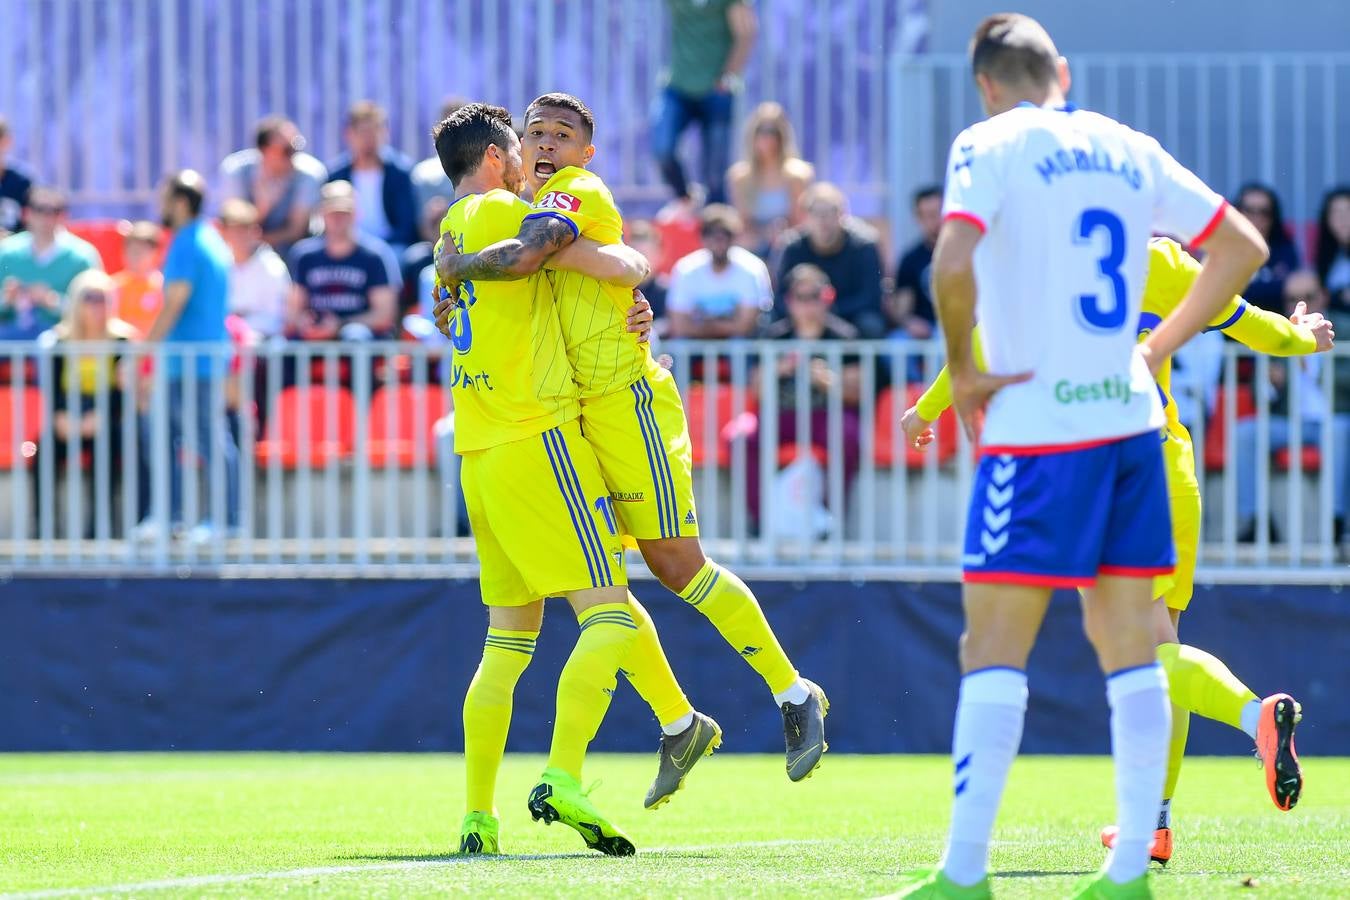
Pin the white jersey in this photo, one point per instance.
(1067, 201)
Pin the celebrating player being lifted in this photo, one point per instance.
(632, 416)
(1048, 212)
(1197, 681)
(536, 499)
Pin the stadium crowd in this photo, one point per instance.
(293, 249)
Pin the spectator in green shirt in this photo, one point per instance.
(38, 265)
(710, 44)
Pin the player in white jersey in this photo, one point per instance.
(1048, 211)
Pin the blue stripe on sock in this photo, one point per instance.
(961, 786)
(611, 618)
(528, 651)
(557, 475)
(708, 590)
(965, 761)
(663, 461)
(589, 519)
(1128, 669)
(693, 591)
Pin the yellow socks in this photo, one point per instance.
(1176, 751)
(587, 682)
(649, 672)
(1200, 683)
(734, 611)
(487, 712)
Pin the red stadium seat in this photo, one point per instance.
(724, 406)
(294, 406)
(883, 438)
(1311, 457)
(31, 403)
(1215, 437)
(399, 438)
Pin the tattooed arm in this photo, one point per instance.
(517, 257)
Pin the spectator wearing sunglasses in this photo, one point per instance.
(1260, 204)
(279, 179)
(38, 265)
(722, 290)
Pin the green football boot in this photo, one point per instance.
(932, 884)
(478, 834)
(558, 797)
(1098, 887)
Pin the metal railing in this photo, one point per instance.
(1231, 117)
(344, 462)
(172, 83)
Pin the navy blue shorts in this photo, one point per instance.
(1062, 519)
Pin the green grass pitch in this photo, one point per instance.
(254, 825)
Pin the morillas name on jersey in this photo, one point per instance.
(558, 200)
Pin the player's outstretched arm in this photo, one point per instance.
(518, 257)
(612, 263)
(1235, 251)
(954, 290)
(1271, 333)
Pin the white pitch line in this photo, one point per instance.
(197, 881)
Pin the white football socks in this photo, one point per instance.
(989, 715)
(679, 725)
(1141, 728)
(796, 694)
(1251, 717)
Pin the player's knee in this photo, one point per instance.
(674, 561)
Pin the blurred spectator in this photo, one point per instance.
(37, 265)
(15, 182)
(1259, 204)
(428, 176)
(1315, 410)
(278, 178)
(846, 250)
(140, 284)
(88, 319)
(810, 318)
(260, 285)
(646, 240)
(196, 291)
(346, 284)
(767, 183)
(421, 254)
(721, 290)
(386, 207)
(910, 307)
(710, 43)
(1333, 247)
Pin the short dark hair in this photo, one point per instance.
(189, 185)
(720, 215)
(1013, 49)
(462, 138)
(927, 191)
(566, 101)
(267, 128)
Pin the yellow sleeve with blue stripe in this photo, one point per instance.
(1171, 273)
(581, 199)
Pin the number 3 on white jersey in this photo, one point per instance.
(1103, 313)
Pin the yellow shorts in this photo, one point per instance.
(542, 518)
(1184, 499)
(641, 439)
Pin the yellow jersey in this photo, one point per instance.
(1171, 271)
(510, 378)
(605, 358)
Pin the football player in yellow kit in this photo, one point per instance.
(633, 416)
(1198, 682)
